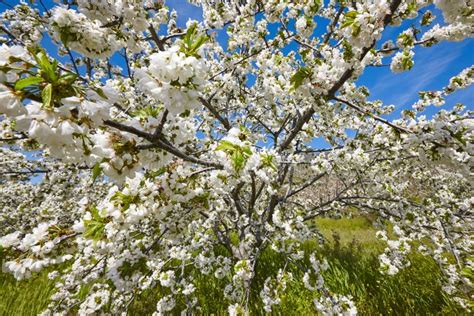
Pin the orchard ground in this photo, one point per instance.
(352, 250)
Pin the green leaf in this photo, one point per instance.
(14, 59)
(238, 154)
(94, 230)
(346, 23)
(356, 29)
(348, 53)
(246, 151)
(458, 81)
(267, 161)
(101, 93)
(238, 160)
(407, 63)
(146, 112)
(351, 14)
(297, 79)
(67, 79)
(47, 96)
(226, 146)
(96, 171)
(28, 81)
(349, 19)
(155, 173)
(406, 39)
(47, 68)
(190, 33)
(200, 41)
(95, 227)
(192, 42)
(124, 200)
(201, 200)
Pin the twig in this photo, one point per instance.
(375, 117)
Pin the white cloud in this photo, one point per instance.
(429, 65)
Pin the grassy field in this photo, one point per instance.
(353, 271)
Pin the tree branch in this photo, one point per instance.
(375, 117)
(161, 143)
(156, 38)
(333, 24)
(305, 185)
(213, 110)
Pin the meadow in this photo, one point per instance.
(352, 251)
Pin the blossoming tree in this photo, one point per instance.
(168, 155)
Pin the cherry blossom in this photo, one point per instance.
(191, 154)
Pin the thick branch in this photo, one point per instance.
(156, 38)
(213, 110)
(159, 128)
(161, 143)
(13, 138)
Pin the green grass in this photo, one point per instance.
(347, 230)
(28, 297)
(353, 271)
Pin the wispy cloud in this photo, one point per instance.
(433, 69)
(399, 89)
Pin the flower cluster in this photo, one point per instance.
(83, 35)
(402, 61)
(174, 79)
(128, 13)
